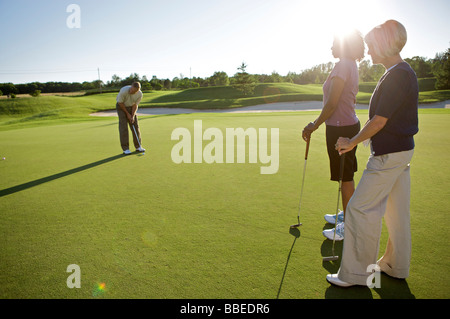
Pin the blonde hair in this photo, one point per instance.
(387, 39)
(350, 45)
(136, 85)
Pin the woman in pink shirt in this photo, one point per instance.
(338, 113)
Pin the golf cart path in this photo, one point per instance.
(270, 107)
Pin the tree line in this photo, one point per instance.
(438, 68)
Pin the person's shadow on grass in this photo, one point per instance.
(390, 288)
(296, 233)
(21, 187)
(334, 292)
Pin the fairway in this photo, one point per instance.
(145, 227)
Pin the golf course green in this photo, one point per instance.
(142, 226)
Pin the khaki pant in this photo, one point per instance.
(384, 190)
(123, 129)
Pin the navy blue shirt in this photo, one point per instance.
(396, 98)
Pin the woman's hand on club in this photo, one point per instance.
(307, 131)
(344, 145)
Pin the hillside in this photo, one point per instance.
(71, 108)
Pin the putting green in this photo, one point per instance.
(145, 227)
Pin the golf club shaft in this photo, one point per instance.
(135, 134)
(303, 179)
(341, 176)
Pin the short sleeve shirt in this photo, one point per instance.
(345, 114)
(129, 99)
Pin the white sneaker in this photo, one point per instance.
(126, 152)
(329, 233)
(140, 149)
(332, 218)
(333, 279)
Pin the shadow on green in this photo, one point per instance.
(390, 288)
(296, 233)
(21, 187)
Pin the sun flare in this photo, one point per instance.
(319, 22)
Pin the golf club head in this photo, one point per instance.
(331, 258)
(296, 225)
(294, 232)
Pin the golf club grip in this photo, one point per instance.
(341, 167)
(307, 147)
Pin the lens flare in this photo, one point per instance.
(99, 289)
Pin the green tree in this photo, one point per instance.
(115, 81)
(175, 82)
(146, 86)
(441, 70)
(243, 81)
(275, 77)
(364, 71)
(369, 72)
(421, 66)
(200, 81)
(35, 93)
(133, 77)
(156, 83)
(8, 88)
(219, 79)
(88, 85)
(167, 84)
(186, 83)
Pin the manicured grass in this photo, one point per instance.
(31, 111)
(149, 228)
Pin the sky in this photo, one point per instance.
(42, 42)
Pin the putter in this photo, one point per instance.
(303, 182)
(341, 175)
(135, 134)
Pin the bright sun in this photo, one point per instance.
(319, 21)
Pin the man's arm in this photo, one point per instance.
(123, 108)
(135, 106)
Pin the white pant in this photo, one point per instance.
(384, 190)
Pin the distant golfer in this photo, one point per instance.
(338, 113)
(128, 101)
(384, 188)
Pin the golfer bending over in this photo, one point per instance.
(338, 113)
(128, 101)
(384, 188)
